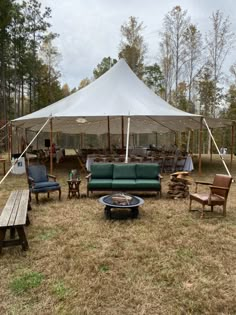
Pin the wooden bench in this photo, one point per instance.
(14, 217)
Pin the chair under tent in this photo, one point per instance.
(180, 163)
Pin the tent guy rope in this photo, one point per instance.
(222, 158)
(5, 125)
(2, 180)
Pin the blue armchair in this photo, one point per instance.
(41, 182)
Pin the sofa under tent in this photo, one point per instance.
(117, 102)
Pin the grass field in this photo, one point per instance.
(168, 261)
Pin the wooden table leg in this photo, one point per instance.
(27, 220)
(2, 237)
(22, 236)
(12, 232)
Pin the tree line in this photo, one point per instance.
(29, 79)
(188, 71)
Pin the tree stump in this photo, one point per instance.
(179, 185)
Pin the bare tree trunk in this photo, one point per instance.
(18, 101)
(22, 97)
(30, 96)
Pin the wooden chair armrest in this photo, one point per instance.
(218, 187)
(50, 176)
(201, 183)
(31, 181)
(218, 196)
(88, 176)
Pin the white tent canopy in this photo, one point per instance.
(117, 93)
(98, 108)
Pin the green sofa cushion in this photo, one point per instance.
(148, 184)
(100, 184)
(147, 171)
(102, 170)
(124, 171)
(123, 184)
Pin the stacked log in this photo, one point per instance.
(179, 185)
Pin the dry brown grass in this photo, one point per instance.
(168, 261)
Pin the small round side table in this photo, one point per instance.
(73, 188)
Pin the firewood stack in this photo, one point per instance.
(179, 185)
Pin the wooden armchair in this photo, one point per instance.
(41, 182)
(217, 195)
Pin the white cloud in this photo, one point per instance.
(90, 30)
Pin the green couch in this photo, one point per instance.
(124, 177)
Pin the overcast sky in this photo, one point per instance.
(90, 29)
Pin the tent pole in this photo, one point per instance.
(188, 141)
(200, 149)
(108, 134)
(222, 158)
(122, 132)
(176, 141)
(127, 141)
(232, 145)
(51, 153)
(192, 137)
